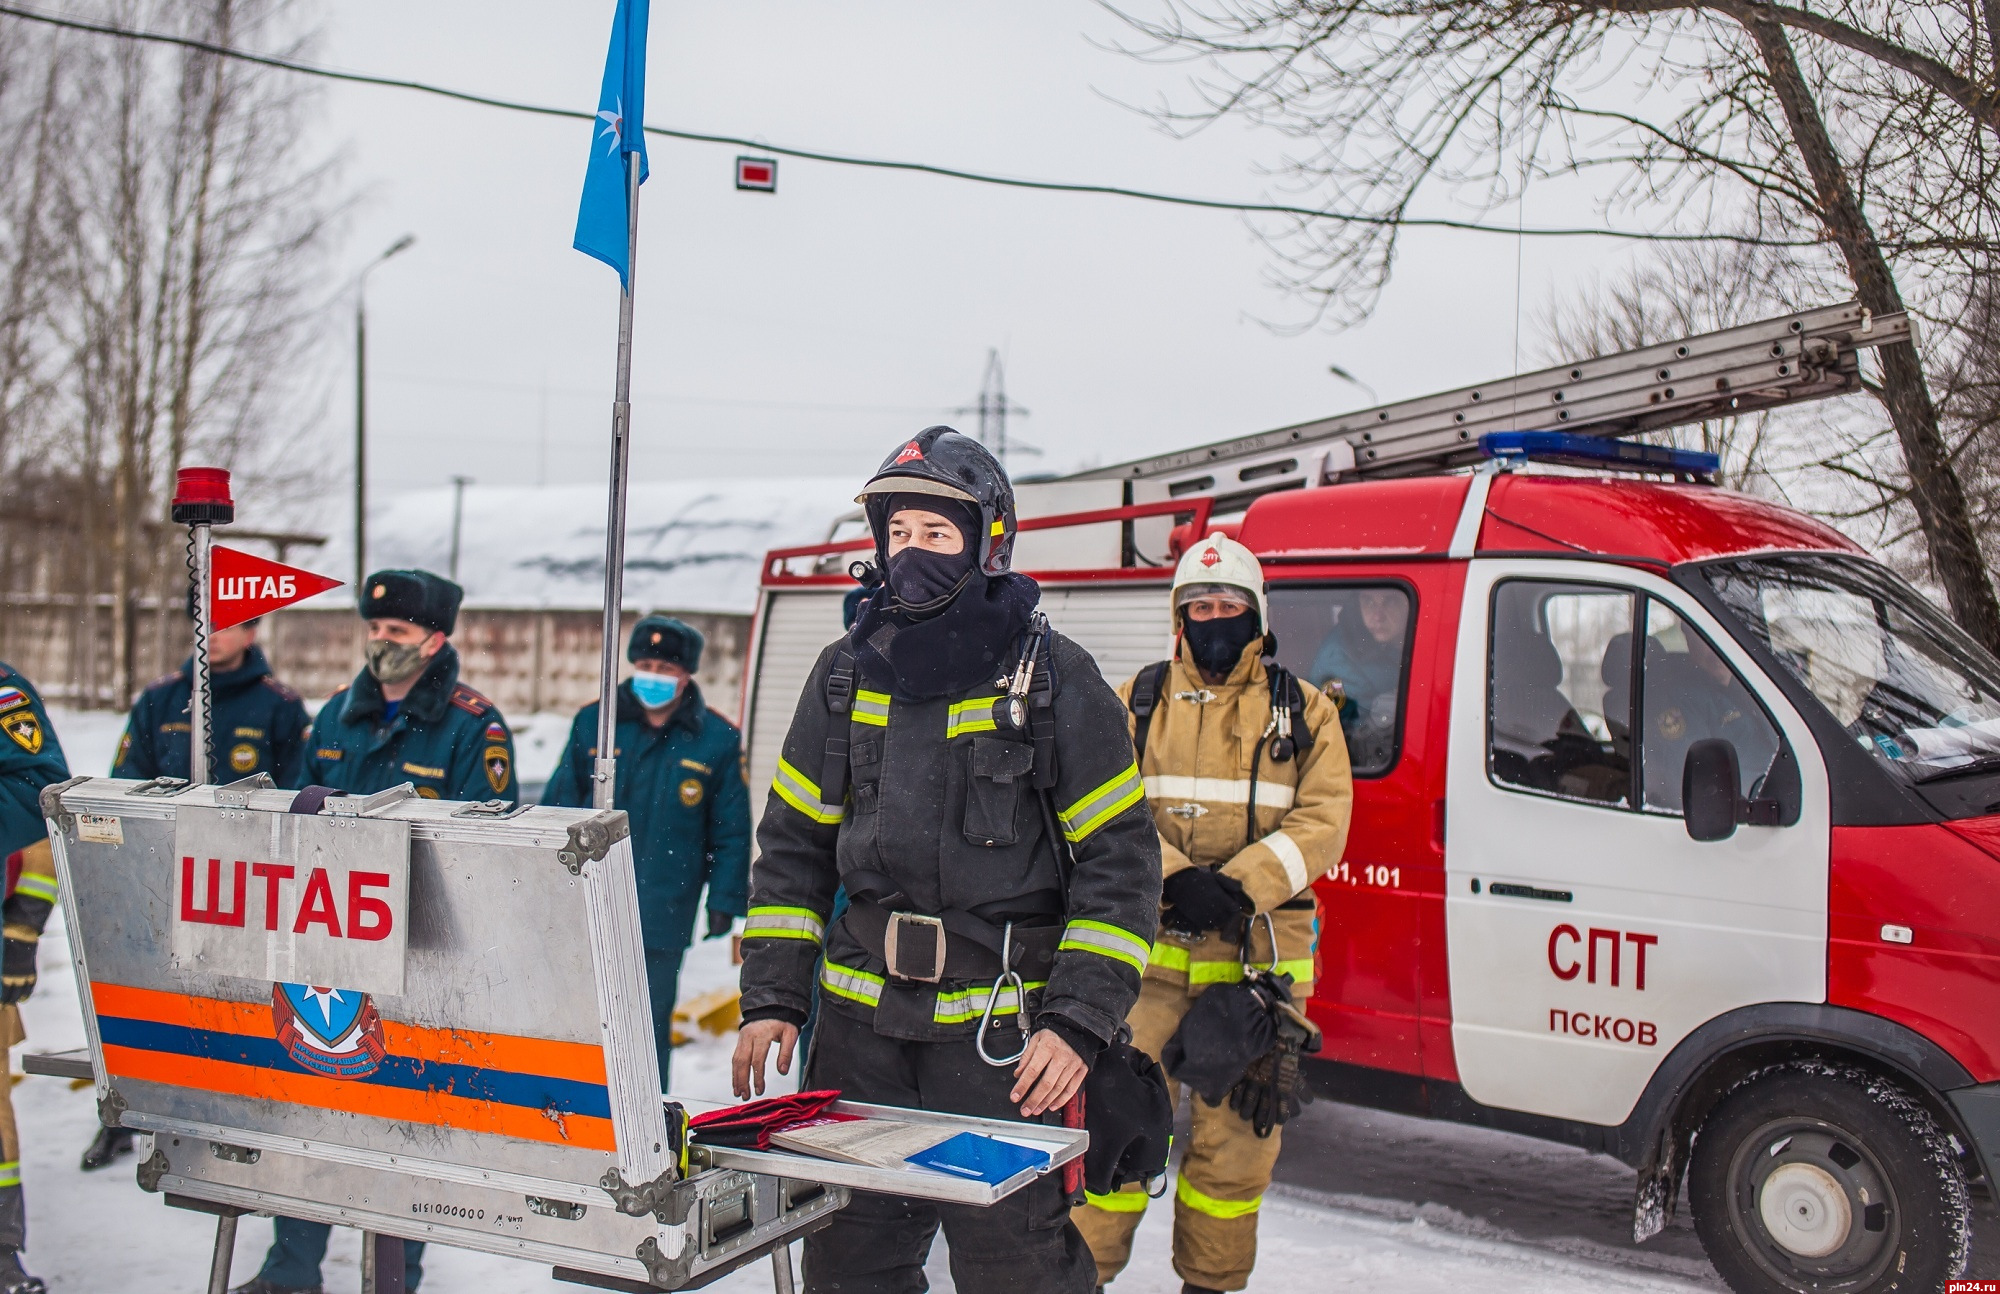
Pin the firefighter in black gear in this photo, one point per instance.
(937, 751)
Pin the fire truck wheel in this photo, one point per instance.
(1809, 1178)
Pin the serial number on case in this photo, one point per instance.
(434, 1210)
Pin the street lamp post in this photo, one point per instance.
(361, 408)
(458, 484)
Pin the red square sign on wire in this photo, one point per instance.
(759, 174)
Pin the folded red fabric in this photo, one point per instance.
(749, 1126)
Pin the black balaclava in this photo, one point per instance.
(938, 627)
(924, 583)
(1218, 644)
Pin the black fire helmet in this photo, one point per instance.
(941, 461)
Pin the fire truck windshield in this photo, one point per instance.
(1899, 676)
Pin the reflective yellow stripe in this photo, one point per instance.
(1105, 940)
(854, 985)
(784, 923)
(970, 1004)
(1127, 1201)
(36, 885)
(1174, 957)
(10, 1173)
(1213, 1207)
(871, 708)
(802, 793)
(1103, 804)
(975, 715)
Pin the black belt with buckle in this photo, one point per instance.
(955, 945)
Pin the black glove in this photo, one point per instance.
(719, 924)
(1274, 1088)
(17, 966)
(1199, 899)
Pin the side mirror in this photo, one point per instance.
(1710, 799)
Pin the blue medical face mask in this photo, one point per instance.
(655, 690)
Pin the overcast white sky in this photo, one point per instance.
(802, 333)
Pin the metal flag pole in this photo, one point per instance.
(201, 499)
(605, 774)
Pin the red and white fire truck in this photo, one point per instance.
(1677, 817)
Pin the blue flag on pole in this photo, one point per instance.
(602, 221)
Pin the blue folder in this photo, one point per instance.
(979, 1158)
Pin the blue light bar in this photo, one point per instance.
(1569, 448)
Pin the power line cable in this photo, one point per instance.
(877, 163)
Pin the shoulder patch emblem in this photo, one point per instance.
(498, 767)
(691, 792)
(496, 731)
(12, 698)
(25, 728)
(243, 757)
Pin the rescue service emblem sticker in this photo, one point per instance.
(333, 1032)
(1673, 725)
(691, 792)
(25, 729)
(497, 765)
(243, 757)
(910, 452)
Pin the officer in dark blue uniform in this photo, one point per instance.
(680, 777)
(405, 718)
(259, 723)
(30, 759)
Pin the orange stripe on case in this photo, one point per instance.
(436, 1109)
(580, 1061)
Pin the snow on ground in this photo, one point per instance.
(97, 1233)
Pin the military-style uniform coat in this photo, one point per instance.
(683, 785)
(446, 738)
(260, 726)
(940, 801)
(1197, 778)
(30, 759)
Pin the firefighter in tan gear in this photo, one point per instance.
(1250, 788)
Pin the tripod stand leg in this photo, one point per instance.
(225, 1251)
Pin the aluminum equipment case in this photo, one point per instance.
(491, 1085)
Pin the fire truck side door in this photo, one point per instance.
(1587, 932)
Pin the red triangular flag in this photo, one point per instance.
(244, 586)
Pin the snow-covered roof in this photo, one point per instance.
(689, 545)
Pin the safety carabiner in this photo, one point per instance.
(1007, 972)
(1250, 937)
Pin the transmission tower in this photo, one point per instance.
(993, 408)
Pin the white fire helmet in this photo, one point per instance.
(1216, 564)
